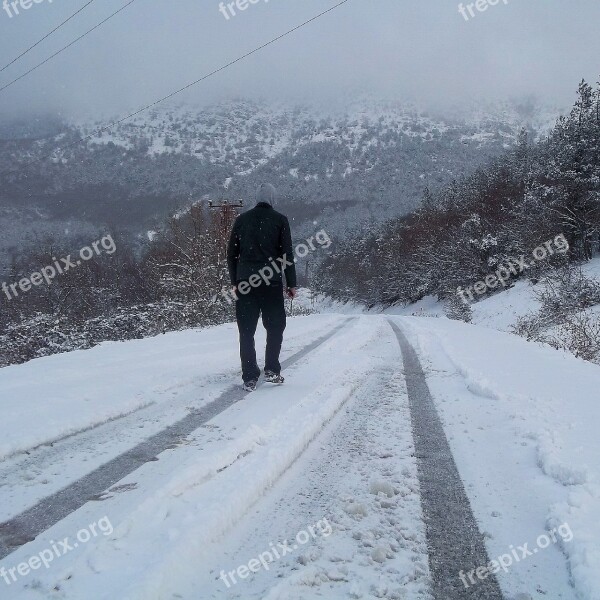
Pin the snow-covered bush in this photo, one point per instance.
(44, 335)
(569, 316)
(456, 309)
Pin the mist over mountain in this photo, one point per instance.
(363, 162)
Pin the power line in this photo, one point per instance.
(14, 60)
(203, 78)
(67, 46)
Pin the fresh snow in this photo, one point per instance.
(333, 443)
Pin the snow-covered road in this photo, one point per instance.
(326, 462)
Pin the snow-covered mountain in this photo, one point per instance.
(368, 160)
(244, 135)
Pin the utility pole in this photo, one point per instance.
(228, 212)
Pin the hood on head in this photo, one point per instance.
(266, 193)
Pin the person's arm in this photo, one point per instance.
(233, 254)
(287, 252)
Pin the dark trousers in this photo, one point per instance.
(268, 300)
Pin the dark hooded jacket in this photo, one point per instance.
(260, 238)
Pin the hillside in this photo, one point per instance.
(367, 161)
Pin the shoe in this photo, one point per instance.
(249, 386)
(271, 377)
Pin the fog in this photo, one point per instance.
(416, 49)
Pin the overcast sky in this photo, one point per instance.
(401, 48)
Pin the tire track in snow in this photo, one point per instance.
(26, 526)
(27, 478)
(453, 537)
(368, 442)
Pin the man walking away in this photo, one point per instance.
(259, 257)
